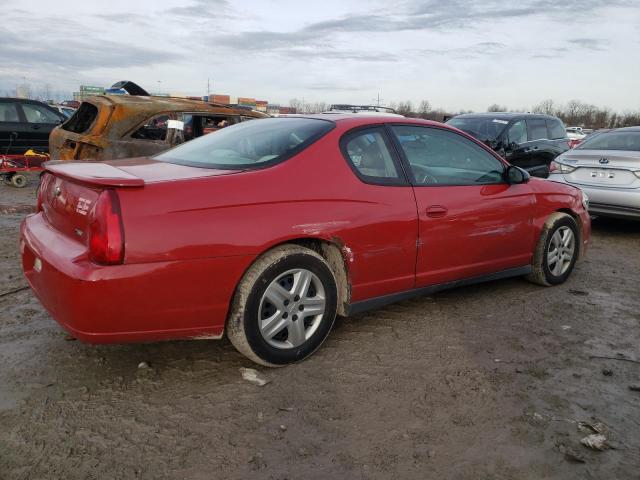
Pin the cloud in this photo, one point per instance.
(201, 9)
(75, 55)
(589, 43)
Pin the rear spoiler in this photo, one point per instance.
(93, 173)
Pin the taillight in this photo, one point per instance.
(106, 235)
(42, 190)
(561, 167)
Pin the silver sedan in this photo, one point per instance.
(606, 167)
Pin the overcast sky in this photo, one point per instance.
(458, 54)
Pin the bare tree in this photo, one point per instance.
(548, 107)
(424, 109)
(497, 108)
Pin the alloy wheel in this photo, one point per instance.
(291, 308)
(561, 251)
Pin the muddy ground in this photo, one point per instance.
(486, 382)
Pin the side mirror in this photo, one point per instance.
(515, 175)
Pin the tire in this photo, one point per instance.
(547, 272)
(268, 322)
(19, 181)
(6, 178)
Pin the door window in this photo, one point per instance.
(196, 125)
(537, 128)
(556, 129)
(39, 114)
(154, 129)
(440, 157)
(517, 133)
(8, 112)
(370, 155)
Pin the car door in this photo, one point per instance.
(470, 221)
(541, 149)
(383, 241)
(153, 136)
(517, 148)
(14, 131)
(40, 121)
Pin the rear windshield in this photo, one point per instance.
(249, 144)
(82, 119)
(612, 141)
(482, 128)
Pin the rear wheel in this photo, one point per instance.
(19, 180)
(557, 250)
(284, 306)
(6, 178)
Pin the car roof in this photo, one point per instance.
(357, 119)
(504, 115)
(27, 100)
(625, 129)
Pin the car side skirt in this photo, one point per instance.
(377, 302)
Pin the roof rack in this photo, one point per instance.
(342, 107)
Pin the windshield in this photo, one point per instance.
(249, 144)
(481, 128)
(629, 141)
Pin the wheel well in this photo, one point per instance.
(333, 253)
(578, 221)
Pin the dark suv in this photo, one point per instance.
(26, 124)
(527, 140)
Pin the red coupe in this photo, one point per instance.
(272, 228)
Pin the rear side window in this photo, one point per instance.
(8, 112)
(81, 121)
(537, 128)
(556, 129)
(154, 129)
(249, 144)
(368, 152)
(517, 133)
(39, 114)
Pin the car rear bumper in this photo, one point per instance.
(130, 302)
(608, 202)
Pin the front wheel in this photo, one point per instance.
(19, 181)
(557, 250)
(284, 306)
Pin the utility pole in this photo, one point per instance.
(378, 100)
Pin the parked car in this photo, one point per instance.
(71, 104)
(271, 228)
(606, 166)
(25, 125)
(66, 111)
(575, 135)
(107, 127)
(527, 140)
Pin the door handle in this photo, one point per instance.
(436, 211)
(35, 127)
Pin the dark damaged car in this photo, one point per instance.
(107, 127)
(526, 140)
